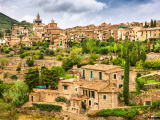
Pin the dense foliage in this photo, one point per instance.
(128, 113)
(32, 78)
(48, 107)
(17, 94)
(30, 62)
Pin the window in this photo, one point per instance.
(122, 77)
(154, 34)
(120, 86)
(104, 97)
(83, 73)
(65, 87)
(84, 101)
(76, 89)
(100, 75)
(93, 95)
(114, 76)
(91, 74)
(89, 103)
(148, 103)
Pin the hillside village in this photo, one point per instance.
(85, 72)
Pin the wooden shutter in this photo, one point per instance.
(93, 94)
(91, 74)
(83, 73)
(100, 75)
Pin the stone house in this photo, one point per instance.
(97, 86)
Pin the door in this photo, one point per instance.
(32, 98)
(90, 103)
(77, 110)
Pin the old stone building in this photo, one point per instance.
(96, 85)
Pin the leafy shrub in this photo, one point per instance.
(67, 64)
(59, 57)
(9, 55)
(60, 99)
(5, 75)
(138, 74)
(6, 50)
(105, 62)
(94, 56)
(119, 112)
(156, 104)
(48, 107)
(14, 77)
(41, 55)
(89, 115)
(118, 61)
(91, 62)
(22, 56)
(103, 50)
(18, 69)
(29, 62)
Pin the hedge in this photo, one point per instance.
(48, 107)
(128, 113)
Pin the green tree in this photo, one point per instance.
(139, 65)
(84, 45)
(29, 62)
(110, 40)
(18, 69)
(17, 93)
(126, 79)
(91, 44)
(143, 55)
(67, 64)
(1, 34)
(152, 25)
(139, 57)
(32, 78)
(93, 57)
(51, 78)
(3, 62)
(115, 48)
(133, 57)
(155, 23)
(60, 70)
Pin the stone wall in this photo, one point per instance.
(147, 96)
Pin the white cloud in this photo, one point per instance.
(14, 7)
(28, 18)
(98, 17)
(76, 6)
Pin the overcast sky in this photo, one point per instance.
(71, 13)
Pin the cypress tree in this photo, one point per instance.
(126, 79)
(145, 26)
(138, 51)
(154, 23)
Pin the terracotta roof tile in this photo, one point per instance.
(101, 67)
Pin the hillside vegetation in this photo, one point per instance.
(6, 22)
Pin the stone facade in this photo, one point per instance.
(146, 98)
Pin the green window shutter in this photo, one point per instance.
(91, 74)
(150, 35)
(83, 73)
(83, 92)
(82, 35)
(150, 31)
(93, 94)
(75, 89)
(122, 77)
(89, 94)
(102, 38)
(119, 86)
(100, 75)
(61, 41)
(104, 97)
